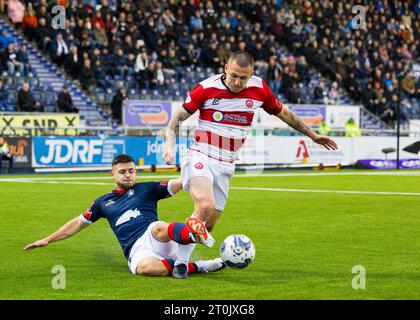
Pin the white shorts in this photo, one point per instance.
(147, 246)
(196, 164)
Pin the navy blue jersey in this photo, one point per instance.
(129, 212)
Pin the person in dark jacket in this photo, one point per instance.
(65, 102)
(26, 102)
(117, 103)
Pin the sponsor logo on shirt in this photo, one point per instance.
(216, 101)
(235, 118)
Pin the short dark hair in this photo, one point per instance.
(122, 158)
(242, 58)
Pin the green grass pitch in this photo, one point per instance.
(306, 242)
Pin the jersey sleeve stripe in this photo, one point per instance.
(186, 109)
(170, 188)
(84, 219)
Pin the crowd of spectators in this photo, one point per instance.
(371, 59)
(152, 44)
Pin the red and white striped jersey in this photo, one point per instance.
(225, 117)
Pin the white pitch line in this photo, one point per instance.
(58, 182)
(250, 175)
(80, 178)
(318, 174)
(327, 191)
(234, 188)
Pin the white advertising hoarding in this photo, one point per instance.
(337, 116)
(299, 150)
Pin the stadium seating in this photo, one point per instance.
(288, 30)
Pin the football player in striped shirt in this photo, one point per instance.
(226, 104)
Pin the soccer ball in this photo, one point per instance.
(237, 251)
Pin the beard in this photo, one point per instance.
(126, 185)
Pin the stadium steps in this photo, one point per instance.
(371, 121)
(52, 79)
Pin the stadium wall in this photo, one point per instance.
(96, 152)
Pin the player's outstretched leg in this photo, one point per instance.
(200, 266)
(180, 233)
(201, 235)
(199, 230)
(206, 266)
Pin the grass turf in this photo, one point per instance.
(307, 243)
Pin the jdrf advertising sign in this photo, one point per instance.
(94, 151)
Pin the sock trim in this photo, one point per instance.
(168, 265)
(192, 268)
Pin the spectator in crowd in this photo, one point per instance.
(26, 102)
(5, 154)
(100, 74)
(42, 34)
(65, 102)
(191, 56)
(72, 62)
(100, 34)
(29, 22)
(274, 74)
(160, 76)
(140, 67)
(11, 62)
(333, 94)
(5, 39)
(408, 84)
(319, 93)
(86, 76)
(387, 114)
(15, 11)
(117, 103)
(59, 49)
(23, 58)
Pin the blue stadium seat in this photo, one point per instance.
(50, 109)
(37, 95)
(33, 82)
(100, 97)
(50, 99)
(18, 82)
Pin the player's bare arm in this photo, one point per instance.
(172, 132)
(70, 228)
(296, 123)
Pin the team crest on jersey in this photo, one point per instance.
(130, 192)
(217, 116)
(249, 103)
(199, 165)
